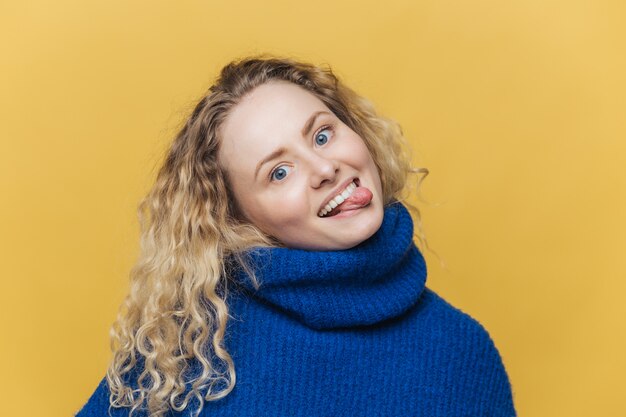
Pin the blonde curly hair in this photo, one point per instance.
(192, 233)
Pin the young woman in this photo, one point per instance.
(278, 274)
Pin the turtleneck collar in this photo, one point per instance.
(378, 279)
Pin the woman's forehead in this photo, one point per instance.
(274, 103)
(267, 117)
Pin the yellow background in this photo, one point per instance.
(516, 107)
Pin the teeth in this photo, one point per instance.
(338, 199)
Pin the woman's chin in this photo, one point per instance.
(355, 227)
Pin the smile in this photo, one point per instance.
(338, 199)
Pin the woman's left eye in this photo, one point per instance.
(322, 138)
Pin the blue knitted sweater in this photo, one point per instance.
(351, 333)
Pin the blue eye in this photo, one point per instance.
(279, 173)
(322, 138)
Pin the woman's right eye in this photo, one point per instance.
(279, 173)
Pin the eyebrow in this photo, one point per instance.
(278, 152)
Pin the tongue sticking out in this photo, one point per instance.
(360, 197)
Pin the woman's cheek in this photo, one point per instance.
(284, 207)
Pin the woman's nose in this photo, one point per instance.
(322, 170)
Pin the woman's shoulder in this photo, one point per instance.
(452, 328)
(461, 345)
(449, 319)
(98, 402)
(455, 328)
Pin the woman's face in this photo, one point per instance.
(283, 193)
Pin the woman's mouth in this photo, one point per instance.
(353, 197)
(332, 207)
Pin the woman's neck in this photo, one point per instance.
(376, 280)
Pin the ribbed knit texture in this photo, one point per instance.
(351, 333)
